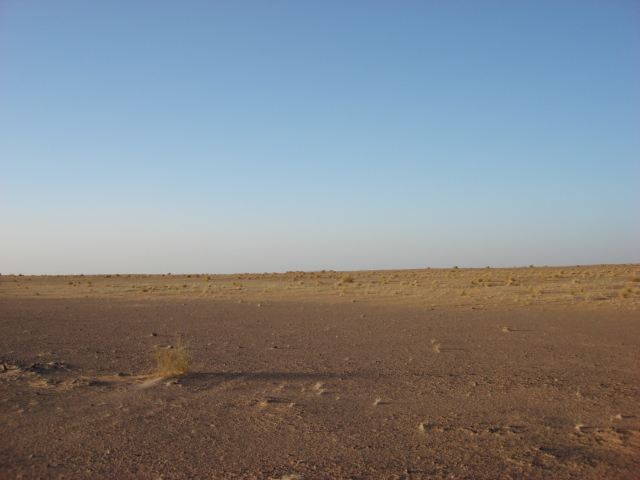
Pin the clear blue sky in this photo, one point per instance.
(252, 136)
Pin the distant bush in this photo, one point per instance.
(172, 361)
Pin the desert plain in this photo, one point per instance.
(492, 373)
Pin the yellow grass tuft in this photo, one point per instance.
(172, 361)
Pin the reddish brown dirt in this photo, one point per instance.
(318, 389)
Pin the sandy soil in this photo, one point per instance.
(464, 374)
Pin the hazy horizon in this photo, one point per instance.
(234, 137)
(172, 274)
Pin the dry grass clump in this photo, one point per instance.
(172, 361)
(346, 279)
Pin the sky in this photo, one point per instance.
(248, 136)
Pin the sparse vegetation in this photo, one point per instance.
(172, 361)
(611, 284)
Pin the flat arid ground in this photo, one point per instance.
(413, 374)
